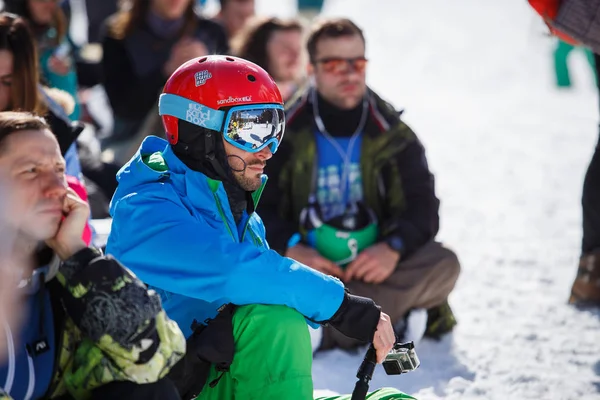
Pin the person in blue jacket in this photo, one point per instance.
(184, 221)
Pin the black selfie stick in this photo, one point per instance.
(365, 374)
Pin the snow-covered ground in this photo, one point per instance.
(509, 152)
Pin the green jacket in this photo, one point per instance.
(397, 183)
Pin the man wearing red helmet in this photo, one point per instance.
(184, 221)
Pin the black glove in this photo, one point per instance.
(211, 344)
(356, 318)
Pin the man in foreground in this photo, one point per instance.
(184, 220)
(92, 329)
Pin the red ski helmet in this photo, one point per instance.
(227, 94)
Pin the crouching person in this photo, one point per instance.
(184, 220)
(91, 329)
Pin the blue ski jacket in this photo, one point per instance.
(173, 227)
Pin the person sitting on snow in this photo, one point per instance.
(351, 194)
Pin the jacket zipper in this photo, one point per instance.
(222, 213)
(57, 374)
(245, 228)
(60, 320)
(255, 196)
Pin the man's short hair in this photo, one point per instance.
(15, 121)
(330, 28)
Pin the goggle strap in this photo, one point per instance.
(190, 111)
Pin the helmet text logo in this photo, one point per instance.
(232, 99)
(201, 77)
(197, 115)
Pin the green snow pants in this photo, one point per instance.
(273, 359)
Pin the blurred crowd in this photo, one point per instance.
(103, 64)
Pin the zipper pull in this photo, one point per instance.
(216, 380)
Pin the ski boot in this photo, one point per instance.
(440, 320)
(585, 291)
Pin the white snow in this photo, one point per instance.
(509, 152)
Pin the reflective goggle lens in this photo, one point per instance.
(252, 128)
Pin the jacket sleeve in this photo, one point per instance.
(279, 226)
(187, 255)
(119, 318)
(418, 223)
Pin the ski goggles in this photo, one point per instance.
(250, 127)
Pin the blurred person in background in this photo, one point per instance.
(91, 328)
(96, 13)
(576, 22)
(276, 45)
(144, 43)
(86, 19)
(351, 194)
(20, 91)
(55, 50)
(234, 15)
(561, 54)
(585, 290)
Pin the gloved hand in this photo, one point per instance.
(361, 319)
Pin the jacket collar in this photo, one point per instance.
(193, 180)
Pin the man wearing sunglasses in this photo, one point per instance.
(351, 194)
(184, 221)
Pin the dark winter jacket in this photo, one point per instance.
(397, 183)
(580, 19)
(133, 68)
(65, 130)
